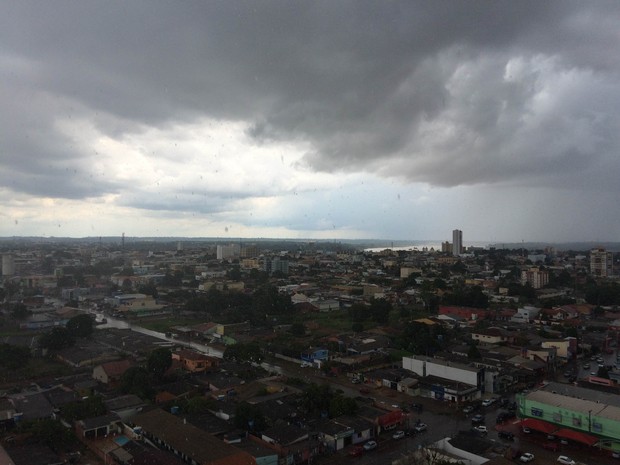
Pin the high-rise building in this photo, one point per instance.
(446, 247)
(601, 263)
(536, 277)
(224, 252)
(457, 242)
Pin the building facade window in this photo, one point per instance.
(598, 427)
(576, 421)
(557, 417)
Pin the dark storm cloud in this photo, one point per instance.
(411, 89)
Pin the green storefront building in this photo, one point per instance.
(573, 413)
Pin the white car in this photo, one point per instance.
(421, 427)
(527, 457)
(398, 435)
(480, 429)
(370, 445)
(488, 402)
(566, 460)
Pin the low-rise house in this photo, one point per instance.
(96, 427)
(194, 362)
(125, 406)
(110, 373)
(317, 354)
(32, 406)
(492, 335)
(566, 348)
(327, 305)
(345, 430)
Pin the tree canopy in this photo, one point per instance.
(80, 326)
(58, 338)
(13, 357)
(159, 361)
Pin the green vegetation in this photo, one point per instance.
(13, 357)
(159, 361)
(80, 326)
(91, 407)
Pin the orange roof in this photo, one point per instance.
(116, 368)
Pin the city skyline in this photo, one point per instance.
(317, 121)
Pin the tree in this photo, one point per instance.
(58, 338)
(199, 404)
(380, 310)
(19, 312)
(316, 399)
(359, 312)
(13, 357)
(80, 409)
(341, 405)
(298, 329)
(51, 433)
(159, 361)
(250, 352)
(148, 289)
(80, 326)
(136, 380)
(357, 327)
(249, 417)
(473, 353)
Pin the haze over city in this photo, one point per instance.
(323, 120)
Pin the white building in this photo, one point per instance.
(525, 314)
(224, 252)
(450, 381)
(601, 263)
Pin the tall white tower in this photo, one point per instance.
(457, 242)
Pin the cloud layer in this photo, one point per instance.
(277, 117)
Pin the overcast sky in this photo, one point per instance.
(314, 119)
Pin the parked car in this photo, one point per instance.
(477, 419)
(468, 409)
(420, 427)
(527, 457)
(488, 402)
(554, 446)
(370, 445)
(480, 429)
(506, 435)
(563, 459)
(526, 430)
(398, 435)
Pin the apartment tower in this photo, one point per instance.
(457, 242)
(601, 263)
